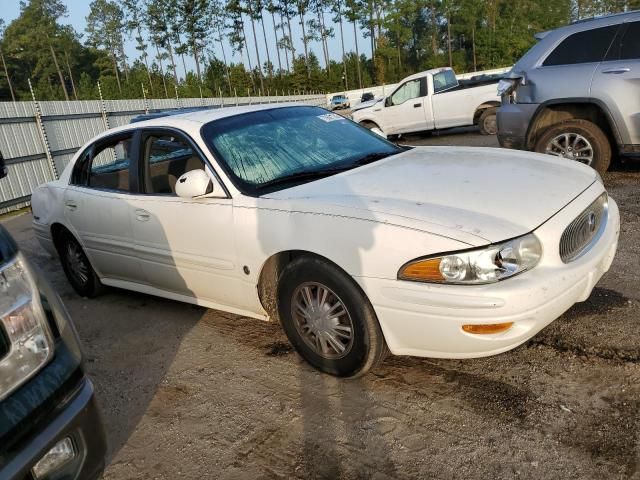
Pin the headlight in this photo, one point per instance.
(483, 265)
(506, 86)
(24, 331)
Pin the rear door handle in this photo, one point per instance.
(142, 215)
(71, 205)
(416, 105)
(617, 70)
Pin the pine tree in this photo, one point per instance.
(105, 25)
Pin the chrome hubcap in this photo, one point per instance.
(77, 264)
(322, 320)
(572, 146)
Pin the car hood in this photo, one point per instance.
(475, 195)
(367, 104)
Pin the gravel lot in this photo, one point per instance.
(193, 393)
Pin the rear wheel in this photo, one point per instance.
(328, 320)
(578, 140)
(488, 121)
(77, 267)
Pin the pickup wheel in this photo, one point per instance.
(77, 267)
(488, 121)
(327, 318)
(579, 140)
(369, 125)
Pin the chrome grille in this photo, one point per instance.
(584, 231)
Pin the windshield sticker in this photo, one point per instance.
(330, 117)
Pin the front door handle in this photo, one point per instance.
(416, 105)
(71, 205)
(142, 215)
(617, 70)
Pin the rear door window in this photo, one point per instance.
(583, 47)
(110, 165)
(445, 80)
(627, 43)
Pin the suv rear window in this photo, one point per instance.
(582, 47)
(628, 47)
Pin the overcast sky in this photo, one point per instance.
(79, 9)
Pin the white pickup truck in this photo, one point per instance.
(433, 100)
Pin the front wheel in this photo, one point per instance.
(579, 140)
(328, 320)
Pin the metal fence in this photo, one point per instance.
(38, 139)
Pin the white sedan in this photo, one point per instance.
(354, 244)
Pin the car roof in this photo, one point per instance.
(611, 15)
(426, 72)
(590, 23)
(165, 113)
(205, 116)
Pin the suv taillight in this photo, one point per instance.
(28, 339)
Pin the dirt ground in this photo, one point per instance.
(193, 393)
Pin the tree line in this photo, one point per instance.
(404, 36)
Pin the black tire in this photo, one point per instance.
(488, 121)
(86, 283)
(367, 347)
(590, 131)
(369, 125)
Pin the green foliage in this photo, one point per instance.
(406, 37)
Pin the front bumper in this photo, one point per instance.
(426, 319)
(513, 124)
(80, 420)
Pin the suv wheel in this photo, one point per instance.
(78, 269)
(488, 122)
(328, 320)
(579, 140)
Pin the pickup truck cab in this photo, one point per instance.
(433, 100)
(50, 425)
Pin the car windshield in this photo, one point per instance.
(268, 150)
(338, 98)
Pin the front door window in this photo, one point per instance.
(409, 90)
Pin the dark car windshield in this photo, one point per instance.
(269, 150)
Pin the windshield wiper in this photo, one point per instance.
(372, 157)
(307, 175)
(325, 172)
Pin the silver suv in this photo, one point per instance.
(576, 93)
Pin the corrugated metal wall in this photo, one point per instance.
(37, 140)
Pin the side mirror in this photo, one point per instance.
(377, 131)
(387, 102)
(193, 184)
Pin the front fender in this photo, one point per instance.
(369, 116)
(363, 247)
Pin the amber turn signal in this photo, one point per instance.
(488, 328)
(428, 270)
